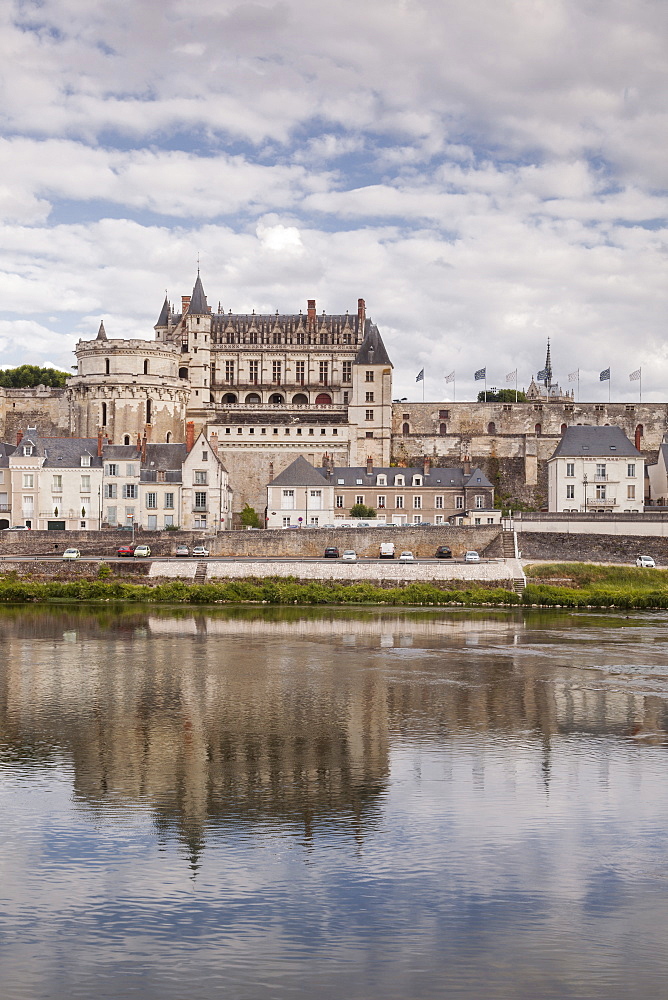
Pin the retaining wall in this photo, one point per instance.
(579, 547)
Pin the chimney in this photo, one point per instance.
(213, 441)
(311, 312)
(190, 435)
(99, 443)
(369, 465)
(138, 441)
(19, 438)
(467, 465)
(427, 466)
(143, 449)
(361, 313)
(185, 304)
(271, 472)
(638, 436)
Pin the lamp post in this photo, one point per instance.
(584, 483)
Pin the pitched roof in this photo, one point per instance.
(101, 333)
(442, 477)
(198, 304)
(5, 451)
(66, 453)
(162, 457)
(163, 318)
(372, 350)
(597, 442)
(300, 473)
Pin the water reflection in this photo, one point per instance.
(235, 802)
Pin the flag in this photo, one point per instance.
(605, 375)
(511, 376)
(544, 375)
(574, 376)
(420, 376)
(635, 376)
(450, 377)
(481, 373)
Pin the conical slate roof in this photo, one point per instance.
(163, 318)
(198, 306)
(372, 351)
(101, 333)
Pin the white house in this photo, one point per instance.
(596, 469)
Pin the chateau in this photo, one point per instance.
(277, 386)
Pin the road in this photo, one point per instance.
(230, 559)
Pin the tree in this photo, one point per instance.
(250, 517)
(502, 396)
(361, 510)
(30, 376)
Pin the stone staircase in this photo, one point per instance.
(509, 550)
(200, 573)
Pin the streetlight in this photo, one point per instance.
(584, 483)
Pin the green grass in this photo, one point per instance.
(588, 575)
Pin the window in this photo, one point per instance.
(347, 371)
(417, 503)
(368, 434)
(288, 500)
(570, 491)
(444, 414)
(438, 519)
(459, 503)
(229, 371)
(28, 481)
(103, 419)
(253, 371)
(417, 480)
(106, 366)
(300, 372)
(57, 483)
(169, 501)
(368, 414)
(324, 372)
(399, 502)
(477, 520)
(315, 500)
(205, 456)
(630, 492)
(339, 501)
(399, 481)
(200, 501)
(442, 428)
(110, 491)
(129, 514)
(130, 470)
(85, 484)
(369, 397)
(276, 371)
(148, 411)
(479, 502)
(600, 470)
(359, 499)
(380, 501)
(417, 518)
(130, 491)
(600, 493)
(152, 500)
(27, 449)
(368, 376)
(381, 480)
(570, 468)
(169, 520)
(631, 469)
(85, 460)
(438, 503)
(286, 522)
(111, 515)
(405, 428)
(346, 398)
(200, 477)
(145, 367)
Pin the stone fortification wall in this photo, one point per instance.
(640, 525)
(306, 542)
(43, 408)
(561, 547)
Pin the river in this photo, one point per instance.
(263, 803)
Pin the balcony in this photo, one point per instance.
(339, 407)
(5, 508)
(597, 502)
(200, 508)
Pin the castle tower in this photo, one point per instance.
(125, 388)
(370, 407)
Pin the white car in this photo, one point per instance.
(71, 554)
(471, 556)
(646, 561)
(349, 555)
(200, 552)
(406, 557)
(142, 552)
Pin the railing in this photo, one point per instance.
(341, 407)
(5, 508)
(600, 478)
(200, 510)
(601, 502)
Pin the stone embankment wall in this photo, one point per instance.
(649, 525)
(306, 542)
(561, 547)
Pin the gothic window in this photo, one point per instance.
(405, 428)
(538, 429)
(146, 367)
(563, 428)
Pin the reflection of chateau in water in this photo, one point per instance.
(292, 714)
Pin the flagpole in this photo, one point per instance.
(423, 390)
(516, 385)
(485, 383)
(640, 381)
(578, 385)
(454, 389)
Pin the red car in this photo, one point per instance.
(125, 550)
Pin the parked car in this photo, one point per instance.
(443, 552)
(387, 550)
(18, 527)
(331, 552)
(406, 556)
(142, 551)
(182, 550)
(471, 556)
(200, 552)
(71, 554)
(125, 550)
(646, 561)
(349, 555)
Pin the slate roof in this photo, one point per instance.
(300, 473)
(198, 304)
(121, 452)
(165, 312)
(435, 477)
(372, 350)
(101, 333)
(65, 453)
(597, 442)
(5, 451)
(162, 457)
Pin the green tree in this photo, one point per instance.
(29, 376)
(250, 517)
(361, 510)
(502, 396)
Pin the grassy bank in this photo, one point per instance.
(581, 585)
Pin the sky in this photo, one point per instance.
(484, 173)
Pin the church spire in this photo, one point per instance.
(548, 366)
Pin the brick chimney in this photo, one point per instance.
(143, 449)
(369, 465)
(311, 312)
(426, 466)
(213, 441)
(271, 472)
(19, 438)
(138, 441)
(190, 435)
(361, 312)
(99, 443)
(185, 304)
(467, 465)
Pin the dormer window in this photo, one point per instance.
(399, 481)
(27, 449)
(417, 480)
(85, 460)
(381, 480)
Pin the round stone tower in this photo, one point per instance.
(127, 387)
